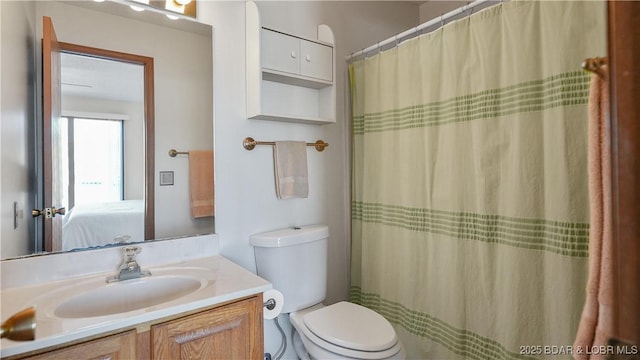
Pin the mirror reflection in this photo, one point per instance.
(101, 130)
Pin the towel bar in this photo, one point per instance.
(249, 143)
(174, 152)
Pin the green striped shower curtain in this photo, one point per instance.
(470, 204)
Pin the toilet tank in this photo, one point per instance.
(294, 260)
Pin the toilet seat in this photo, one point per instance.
(347, 329)
(351, 326)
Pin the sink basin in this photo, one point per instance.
(126, 296)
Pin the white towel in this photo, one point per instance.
(290, 163)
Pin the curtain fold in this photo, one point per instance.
(470, 217)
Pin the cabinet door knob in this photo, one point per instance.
(308, 58)
(294, 55)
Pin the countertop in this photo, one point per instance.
(223, 281)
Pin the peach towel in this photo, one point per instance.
(201, 183)
(597, 321)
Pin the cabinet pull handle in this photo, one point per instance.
(294, 55)
(308, 58)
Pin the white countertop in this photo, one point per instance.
(222, 281)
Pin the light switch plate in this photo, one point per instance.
(166, 178)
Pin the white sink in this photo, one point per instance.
(92, 297)
(126, 296)
(72, 275)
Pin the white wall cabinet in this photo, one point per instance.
(280, 52)
(292, 60)
(289, 78)
(316, 61)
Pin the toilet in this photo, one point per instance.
(294, 260)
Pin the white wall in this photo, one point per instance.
(17, 71)
(245, 194)
(182, 114)
(435, 8)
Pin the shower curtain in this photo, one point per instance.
(469, 196)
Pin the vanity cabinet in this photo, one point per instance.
(289, 78)
(119, 346)
(233, 330)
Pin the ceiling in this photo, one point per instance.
(91, 77)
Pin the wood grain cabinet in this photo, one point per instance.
(120, 346)
(233, 331)
(230, 331)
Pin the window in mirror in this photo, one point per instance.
(96, 161)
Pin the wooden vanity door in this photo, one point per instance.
(115, 347)
(232, 331)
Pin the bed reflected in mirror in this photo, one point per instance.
(102, 159)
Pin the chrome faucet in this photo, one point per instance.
(129, 269)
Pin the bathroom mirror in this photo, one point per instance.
(183, 112)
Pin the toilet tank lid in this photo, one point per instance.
(290, 236)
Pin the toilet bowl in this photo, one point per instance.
(294, 260)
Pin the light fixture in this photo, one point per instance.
(170, 8)
(138, 8)
(173, 5)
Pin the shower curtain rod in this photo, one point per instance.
(439, 20)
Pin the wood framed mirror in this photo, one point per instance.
(53, 148)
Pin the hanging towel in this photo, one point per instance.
(290, 162)
(597, 321)
(201, 183)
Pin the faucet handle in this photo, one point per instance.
(129, 269)
(130, 252)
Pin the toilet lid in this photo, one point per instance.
(351, 326)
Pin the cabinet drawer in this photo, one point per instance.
(280, 52)
(316, 60)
